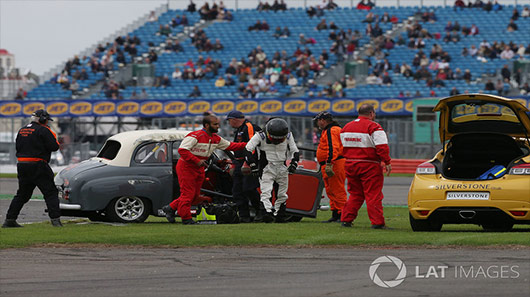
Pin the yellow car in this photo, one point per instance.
(482, 174)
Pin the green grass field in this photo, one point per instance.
(308, 232)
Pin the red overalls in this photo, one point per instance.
(196, 146)
(365, 145)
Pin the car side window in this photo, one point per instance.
(150, 153)
(175, 149)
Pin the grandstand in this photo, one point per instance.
(136, 78)
(239, 42)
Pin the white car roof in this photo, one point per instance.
(131, 139)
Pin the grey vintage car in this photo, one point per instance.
(133, 176)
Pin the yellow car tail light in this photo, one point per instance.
(522, 169)
(426, 168)
(518, 213)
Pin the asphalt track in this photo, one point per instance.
(97, 271)
(103, 272)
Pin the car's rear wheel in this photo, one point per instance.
(498, 227)
(424, 225)
(128, 209)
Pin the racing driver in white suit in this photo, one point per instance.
(276, 144)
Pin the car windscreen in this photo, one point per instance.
(110, 150)
(484, 117)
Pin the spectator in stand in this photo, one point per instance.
(177, 74)
(385, 18)
(394, 19)
(134, 95)
(74, 87)
(489, 86)
(457, 75)
(507, 53)
(365, 5)
(350, 82)
(499, 86)
(525, 89)
(387, 80)
(264, 26)
(220, 82)
(459, 4)
(526, 12)
(164, 30)
(229, 80)
(473, 50)
(285, 32)
(152, 17)
(454, 91)
(515, 14)
(505, 72)
(277, 32)
(263, 6)
(370, 18)
(521, 50)
(497, 6)
(195, 93)
(372, 79)
(292, 81)
(512, 26)
(21, 94)
(144, 95)
(322, 25)
(488, 6)
(465, 52)
(255, 27)
(467, 76)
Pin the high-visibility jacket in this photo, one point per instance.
(330, 146)
(365, 141)
(243, 134)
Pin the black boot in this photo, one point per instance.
(259, 216)
(335, 217)
(281, 216)
(268, 217)
(11, 223)
(56, 222)
(170, 213)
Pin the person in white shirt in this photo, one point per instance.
(507, 53)
(177, 74)
(276, 145)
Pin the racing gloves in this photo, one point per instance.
(292, 166)
(254, 169)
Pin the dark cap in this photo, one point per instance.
(41, 113)
(323, 115)
(236, 114)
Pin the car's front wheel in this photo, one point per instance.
(424, 225)
(128, 209)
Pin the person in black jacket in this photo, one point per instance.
(35, 143)
(245, 187)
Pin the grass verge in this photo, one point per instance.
(308, 232)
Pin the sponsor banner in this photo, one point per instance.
(196, 107)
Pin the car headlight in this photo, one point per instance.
(426, 168)
(522, 169)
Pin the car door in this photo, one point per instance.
(305, 189)
(151, 172)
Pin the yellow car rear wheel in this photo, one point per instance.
(424, 225)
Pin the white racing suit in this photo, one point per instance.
(275, 170)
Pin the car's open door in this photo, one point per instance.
(305, 188)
